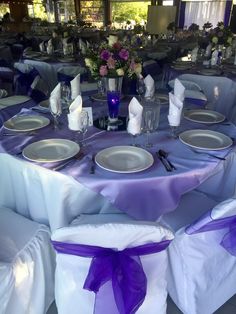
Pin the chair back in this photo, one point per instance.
(67, 73)
(24, 76)
(38, 89)
(113, 239)
(151, 67)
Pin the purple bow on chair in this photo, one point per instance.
(122, 268)
(228, 241)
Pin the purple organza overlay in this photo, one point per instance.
(122, 268)
(206, 223)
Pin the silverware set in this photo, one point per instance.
(79, 156)
(162, 155)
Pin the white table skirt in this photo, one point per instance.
(55, 199)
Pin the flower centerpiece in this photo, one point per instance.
(113, 59)
(221, 35)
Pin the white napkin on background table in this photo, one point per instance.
(150, 86)
(179, 90)
(75, 110)
(55, 100)
(135, 117)
(208, 51)
(175, 110)
(228, 52)
(214, 57)
(41, 46)
(194, 53)
(75, 87)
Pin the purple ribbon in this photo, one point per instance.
(228, 241)
(122, 268)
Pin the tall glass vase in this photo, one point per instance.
(113, 87)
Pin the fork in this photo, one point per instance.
(209, 154)
(92, 168)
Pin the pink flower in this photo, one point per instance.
(111, 63)
(103, 70)
(124, 54)
(105, 54)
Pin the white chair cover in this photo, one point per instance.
(201, 275)
(26, 265)
(118, 232)
(72, 71)
(23, 67)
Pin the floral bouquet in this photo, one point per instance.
(113, 59)
(221, 35)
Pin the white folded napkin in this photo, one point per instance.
(41, 46)
(208, 50)
(214, 57)
(194, 53)
(175, 110)
(135, 117)
(75, 87)
(50, 49)
(75, 110)
(150, 86)
(55, 105)
(228, 52)
(179, 90)
(56, 92)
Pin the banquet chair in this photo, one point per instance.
(27, 263)
(202, 256)
(23, 78)
(38, 90)
(193, 93)
(6, 78)
(123, 261)
(67, 73)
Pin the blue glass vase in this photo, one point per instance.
(113, 87)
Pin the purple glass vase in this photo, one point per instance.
(113, 88)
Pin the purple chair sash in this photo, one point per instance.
(228, 241)
(122, 268)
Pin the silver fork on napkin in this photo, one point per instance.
(79, 156)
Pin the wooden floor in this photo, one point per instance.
(228, 308)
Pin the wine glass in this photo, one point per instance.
(65, 96)
(140, 88)
(56, 110)
(134, 131)
(148, 125)
(84, 123)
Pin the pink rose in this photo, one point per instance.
(103, 70)
(111, 63)
(124, 54)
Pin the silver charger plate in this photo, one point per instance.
(99, 97)
(164, 99)
(26, 123)
(124, 159)
(44, 104)
(14, 100)
(51, 150)
(204, 116)
(205, 139)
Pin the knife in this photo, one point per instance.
(164, 162)
(164, 155)
(92, 168)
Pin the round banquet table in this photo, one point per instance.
(56, 197)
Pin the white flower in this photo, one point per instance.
(215, 40)
(138, 69)
(88, 62)
(112, 39)
(120, 72)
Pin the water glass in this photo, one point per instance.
(84, 123)
(56, 110)
(140, 88)
(65, 96)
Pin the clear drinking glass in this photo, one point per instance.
(56, 110)
(84, 124)
(65, 96)
(148, 125)
(140, 88)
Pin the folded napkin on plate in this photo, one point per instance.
(75, 87)
(55, 100)
(175, 110)
(179, 90)
(214, 57)
(194, 53)
(150, 86)
(208, 51)
(135, 117)
(75, 110)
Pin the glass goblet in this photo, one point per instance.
(84, 124)
(148, 125)
(65, 96)
(140, 88)
(56, 110)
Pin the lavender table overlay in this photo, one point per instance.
(143, 195)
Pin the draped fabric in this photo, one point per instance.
(201, 12)
(228, 7)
